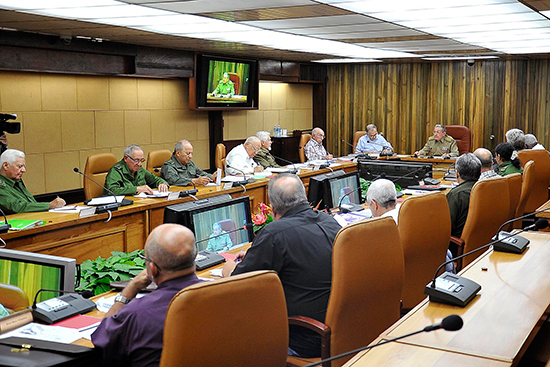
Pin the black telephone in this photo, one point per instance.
(62, 307)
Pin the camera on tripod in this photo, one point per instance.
(9, 127)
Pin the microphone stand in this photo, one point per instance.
(294, 170)
(244, 181)
(4, 227)
(102, 208)
(352, 206)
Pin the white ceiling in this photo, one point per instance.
(300, 30)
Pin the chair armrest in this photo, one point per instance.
(316, 326)
(459, 242)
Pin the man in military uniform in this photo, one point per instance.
(14, 196)
(263, 157)
(439, 144)
(180, 169)
(128, 177)
(225, 86)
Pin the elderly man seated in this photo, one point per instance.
(382, 199)
(240, 159)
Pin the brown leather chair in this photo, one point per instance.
(228, 225)
(514, 191)
(356, 137)
(232, 322)
(13, 298)
(236, 82)
(303, 141)
(425, 231)
(489, 208)
(526, 188)
(539, 192)
(367, 278)
(463, 137)
(155, 160)
(220, 156)
(97, 166)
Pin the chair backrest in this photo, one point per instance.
(367, 277)
(529, 173)
(539, 192)
(236, 82)
(156, 158)
(303, 141)
(514, 192)
(228, 225)
(97, 166)
(356, 137)
(489, 208)
(13, 297)
(236, 321)
(425, 239)
(463, 137)
(220, 156)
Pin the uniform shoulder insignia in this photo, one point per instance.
(2, 184)
(448, 138)
(431, 138)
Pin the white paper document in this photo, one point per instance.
(155, 194)
(68, 209)
(235, 178)
(102, 200)
(45, 332)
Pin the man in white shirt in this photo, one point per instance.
(382, 199)
(240, 159)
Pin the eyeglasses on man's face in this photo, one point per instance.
(150, 260)
(135, 160)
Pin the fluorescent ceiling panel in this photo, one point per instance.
(99, 12)
(344, 61)
(214, 6)
(351, 19)
(53, 4)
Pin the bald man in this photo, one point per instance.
(314, 148)
(131, 332)
(486, 158)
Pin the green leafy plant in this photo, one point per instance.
(96, 275)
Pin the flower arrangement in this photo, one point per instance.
(262, 218)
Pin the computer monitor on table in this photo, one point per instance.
(403, 173)
(210, 220)
(343, 189)
(31, 271)
(316, 189)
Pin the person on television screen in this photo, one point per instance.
(344, 198)
(219, 239)
(14, 196)
(225, 86)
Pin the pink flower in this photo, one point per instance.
(259, 219)
(264, 209)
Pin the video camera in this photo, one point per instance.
(9, 127)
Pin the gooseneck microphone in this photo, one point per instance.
(294, 170)
(244, 181)
(243, 228)
(85, 293)
(106, 207)
(350, 207)
(449, 323)
(4, 227)
(523, 217)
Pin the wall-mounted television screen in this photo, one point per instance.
(223, 83)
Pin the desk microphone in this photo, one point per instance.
(294, 170)
(244, 181)
(4, 227)
(350, 207)
(184, 193)
(245, 227)
(344, 141)
(62, 307)
(459, 291)
(449, 323)
(106, 207)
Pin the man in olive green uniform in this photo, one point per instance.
(14, 196)
(181, 171)
(263, 157)
(468, 170)
(128, 177)
(440, 144)
(225, 86)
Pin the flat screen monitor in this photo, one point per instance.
(343, 190)
(220, 225)
(30, 272)
(223, 83)
(316, 189)
(404, 174)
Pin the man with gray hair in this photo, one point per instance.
(314, 149)
(14, 196)
(181, 170)
(531, 142)
(298, 246)
(131, 333)
(382, 199)
(373, 142)
(486, 158)
(468, 170)
(264, 157)
(241, 158)
(440, 144)
(128, 177)
(516, 137)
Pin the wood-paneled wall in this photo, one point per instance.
(405, 101)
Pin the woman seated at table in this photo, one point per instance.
(507, 159)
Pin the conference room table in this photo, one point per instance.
(499, 323)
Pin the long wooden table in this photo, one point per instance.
(87, 238)
(499, 324)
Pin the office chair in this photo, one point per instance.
(425, 231)
(97, 166)
(232, 322)
(228, 225)
(529, 174)
(367, 278)
(220, 157)
(489, 208)
(356, 137)
(514, 192)
(155, 160)
(303, 141)
(539, 191)
(463, 137)
(13, 298)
